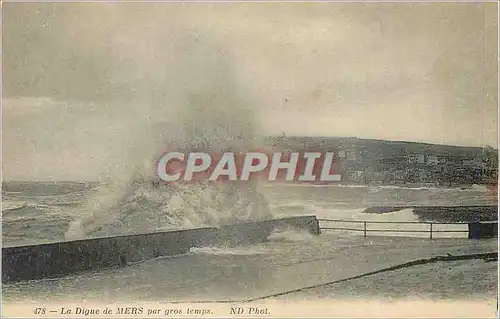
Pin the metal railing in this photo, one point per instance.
(365, 229)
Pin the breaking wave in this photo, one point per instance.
(148, 208)
(238, 251)
(290, 235)
(401, 223)
(12, 207)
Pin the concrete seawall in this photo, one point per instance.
(483, 230)
(63, 258)
(442, 213)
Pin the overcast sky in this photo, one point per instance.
(81, 79)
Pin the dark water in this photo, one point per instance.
(288, 260)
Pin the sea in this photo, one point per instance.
(36, 212)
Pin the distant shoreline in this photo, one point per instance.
(64, 187)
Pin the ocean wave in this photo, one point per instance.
(290, 235)
(12, 207)
(478, 188)
(399, 223)
(337, 213)
(6, 222)
(307, 185)
(419, 188)
(376, 188)
(146, 208)
(239, 251)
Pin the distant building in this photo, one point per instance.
(356, 176)
(474, 163)
(350, 155)
(416, 159)
(432, 160)
(451, 160)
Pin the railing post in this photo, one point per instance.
(364, 229)
(431, 231)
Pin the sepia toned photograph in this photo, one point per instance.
(249, 159)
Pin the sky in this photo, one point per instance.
(89, 88)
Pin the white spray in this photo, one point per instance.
(190, 99)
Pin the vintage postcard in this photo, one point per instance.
(249, 159)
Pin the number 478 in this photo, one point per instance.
(39, 311)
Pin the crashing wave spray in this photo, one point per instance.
(202, 107)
